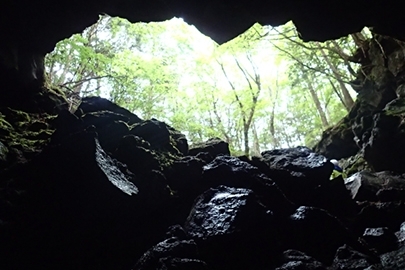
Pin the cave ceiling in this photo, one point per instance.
(37, 25)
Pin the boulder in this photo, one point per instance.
(81, 210)
(348, 258)
(393, 260)
(372, 187)
(171, 251)
(297, 171)
(98, 104)
(232, 229)
(380, 239)
(295, 260)
(316, 233)
(232, 172)
(161, 136)
(213, 146)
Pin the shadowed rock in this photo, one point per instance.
(232, 228)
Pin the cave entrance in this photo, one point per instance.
(265, 89)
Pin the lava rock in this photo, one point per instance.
(169, 248)
(381, 239)
(393, 260)
(82, 211)
(298, 172)
(135, 152)
(316, 233)
(213, 146)
(348, 258)
(232, 172)
(380, 214)
(297, 260)
(98, 104)
(232, 229)
(401, 234)
(385, 150)
(368, 186)
(161, 136)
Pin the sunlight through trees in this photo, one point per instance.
(265, 89)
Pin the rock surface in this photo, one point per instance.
(104, 189)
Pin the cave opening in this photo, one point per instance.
(264, 89)
(97, 187)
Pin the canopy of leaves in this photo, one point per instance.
(265, 89)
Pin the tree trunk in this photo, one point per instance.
(348, 100)
(318, 106)
(256, 145)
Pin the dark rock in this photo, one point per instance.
(213, 146)
(347, 258)
(232, 172)
(368, 186)
(381, 214)
(160, 136)
(336, 199)
(3, 154)
(65, 124)
(136, 153)
(232, 229)
(316, 233)
(82, 211)
(380, 239)
(299, 160)
(172, 247)
(98, 104)
(110, 127)
(169, 263)
(297, 260)
(176, 231)
(185, 181)
(298, 172)
(338, 141)
(401, 235)
(394, 260)
(385, 149)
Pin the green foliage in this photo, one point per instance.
(256, 92)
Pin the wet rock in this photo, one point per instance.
(160, 136)
(316, 233)
(213, 146)
(401, 234)
(98, 104)
(393, 260)
(169, 263)
(110, 127)
(232, 229)
(185, 181)
(65, 124)
(381, 214)
(232, 172)
(135, 152)
(338, 141)
(380, 239)
(348, 258)
(385, 149)
(82, 210)
(368, 186)
(336, 199)
(299, 160)
(298, 172)
(297, 260)
(169, 252)
(3, 154)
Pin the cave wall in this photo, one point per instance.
(30, 29)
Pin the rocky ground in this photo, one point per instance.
(103, 189)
